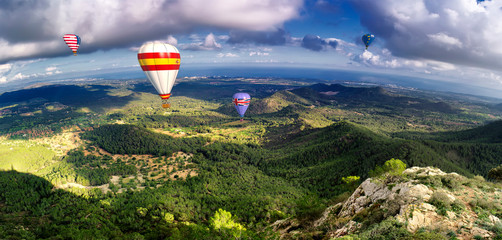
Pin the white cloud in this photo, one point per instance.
(5, 68)
(17, 71)
(443, 38)
(370, 59)
(384, 59)
(34, 28)
(209, 43)
(492, 76)
(221, 55)
(223, 37)
(50, 69)
(451, 31)
(441, 66)
(171, 40)
(266, 61)
(19, 76)
(245, 14)
(253, 53)
(415, 63)
(295, 41)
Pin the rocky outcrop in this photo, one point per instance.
(422, 198)
(371, 192)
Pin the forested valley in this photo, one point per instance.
(118, 166)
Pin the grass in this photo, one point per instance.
(24, 156)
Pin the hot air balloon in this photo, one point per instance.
(368, 39)
(73, 41)
(160, 62)
(241, 102)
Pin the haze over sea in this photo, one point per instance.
(308, 74)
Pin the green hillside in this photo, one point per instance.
(139, 171)
(489, 133)
(373, 96)
(319, 158)
(24, 156)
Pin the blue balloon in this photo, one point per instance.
(241, 101)
(368, 39)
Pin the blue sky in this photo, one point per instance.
(448, 41)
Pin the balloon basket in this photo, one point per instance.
(242, 119)
(165, 103)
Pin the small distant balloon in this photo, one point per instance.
(241, 101)
(161, 63)
(73, 42)
(368, 39)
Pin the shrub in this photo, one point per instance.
(395, 167)
(222, 220)
(351, 179)
(348, 237)
(451, 181)
(457, 206)
(369, 216)
(168, 217)
(479, 178)
(495, 173)
(351, 182)
(497, 228)
(392, 167)
(432, 181)
(387, 229)
(340, 198)
(309, 208)
(452, 235)
(428, 236)
(491, 206)
(442, 202)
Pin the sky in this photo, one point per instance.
(451, 42)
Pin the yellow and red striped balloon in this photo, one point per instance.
(161, 63)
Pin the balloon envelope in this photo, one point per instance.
(73, 42)
(241, 101)
(368, 39)
(161, 63)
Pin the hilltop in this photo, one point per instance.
(376, 96)
(420, 203)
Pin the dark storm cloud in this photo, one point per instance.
(34, 28)
(17, 27)
(333, 44)
(278, 37)
(316, 43)
(25, 4)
